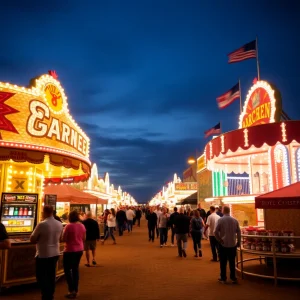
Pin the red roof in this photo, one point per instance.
(286, 197)
(66, 193)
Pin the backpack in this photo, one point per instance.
(197, 224)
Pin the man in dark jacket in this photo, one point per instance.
(182, 227)
(172, 219)
(92, 235)
(152, 221)
(121, 219)
(202, 212)
(138, 215)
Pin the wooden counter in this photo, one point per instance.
(17, 265)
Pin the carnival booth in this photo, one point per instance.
(261, 156)
(282, 209)
(40, 143)
(69, 198)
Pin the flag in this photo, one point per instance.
(245, 52)
(214, 130)
(227, 98)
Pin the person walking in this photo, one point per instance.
(130, 216)
(151, 217)
(121, 220)
(219, 211)
(228, 234)
(92, 236)
(74, 236)
(4, 239)
(162, 224)
(46, 236)
(197, 224)
(201, 212)
(182, 227)
(158, 212)
(111, 224)
(56, 217)
(138, 215)
(211, 223)
(172, 225)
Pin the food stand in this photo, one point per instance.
(69, 198)
(261, 156)
(39, 143)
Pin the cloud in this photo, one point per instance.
(141, 165)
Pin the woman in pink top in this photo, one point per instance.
(73, 236)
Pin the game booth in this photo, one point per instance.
(40, 143)
(261, 156)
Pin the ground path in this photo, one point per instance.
(136, 269)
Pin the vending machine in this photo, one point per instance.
(19, 213)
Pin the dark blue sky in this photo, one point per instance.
(142, 76)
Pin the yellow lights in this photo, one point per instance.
(283, 132)
(222, 144)
(61, 127)
(270, 92)
(247, 199)
(191, 160)
(246, 140)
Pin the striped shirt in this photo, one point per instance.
(227, 231)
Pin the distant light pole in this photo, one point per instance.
(191, 160)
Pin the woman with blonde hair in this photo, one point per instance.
(111, 224)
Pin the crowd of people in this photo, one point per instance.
(82, 233)
(222, 231)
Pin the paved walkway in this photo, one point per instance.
(136, 269)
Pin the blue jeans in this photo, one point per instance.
(110, 232)
(163, 234)
(129, 223)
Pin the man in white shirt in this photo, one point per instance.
(46, 236)
(129, 216)
(211, 225)
(228, 234)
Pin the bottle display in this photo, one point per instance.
(11, 211)
(21, 211)
(30, 211)
(25, 212)
(16, 211)
(6, 211)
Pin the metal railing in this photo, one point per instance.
(265, 254)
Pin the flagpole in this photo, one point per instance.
(240, 96)
(257, 61)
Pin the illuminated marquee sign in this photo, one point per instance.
(201, 165)
(185, 186)
(39, 116)
(262, 105)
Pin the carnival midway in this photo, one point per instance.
(255, 171)
(252, 172)
(44, 160)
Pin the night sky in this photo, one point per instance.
(142, 76)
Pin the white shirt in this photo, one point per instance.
(228, 231)
(111, 221)
(212, 222)
(158, 213)
(130, 214)
(47, 233)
